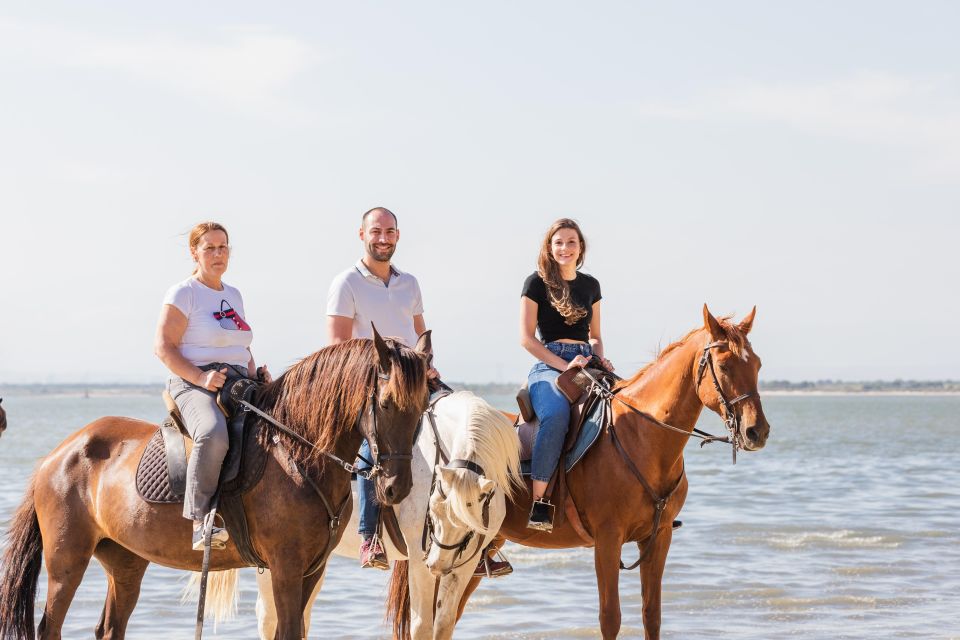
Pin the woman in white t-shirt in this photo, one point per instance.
(203, 340)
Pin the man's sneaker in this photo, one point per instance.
(495, 567)
(218, 539)
(372, 555)
(541, 516)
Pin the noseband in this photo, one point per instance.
(730, 416)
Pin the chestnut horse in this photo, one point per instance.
(607, 486)
(82, 501)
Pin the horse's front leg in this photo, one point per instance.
(448, 601)
(421, 586)
(267, 609)
(287, 583)
(651, 579)
(606, 561)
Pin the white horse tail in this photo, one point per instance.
(398, 600)
(222, 593)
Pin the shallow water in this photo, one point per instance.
(844, 526)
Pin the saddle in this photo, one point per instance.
(589, 415)
(586, 410)
(161, 474)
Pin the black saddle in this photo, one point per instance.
(162, 473)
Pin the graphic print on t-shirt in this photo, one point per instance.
(229, 318)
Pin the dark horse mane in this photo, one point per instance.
(736, 339)
(321, 396)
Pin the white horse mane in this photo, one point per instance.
(489, 440)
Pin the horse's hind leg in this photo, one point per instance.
(124, 574)
(66, 564)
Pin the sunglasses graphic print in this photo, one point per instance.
(229, 318)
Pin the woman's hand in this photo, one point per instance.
(264, 375)
(213, 380)
(606, 364)
(579, 361)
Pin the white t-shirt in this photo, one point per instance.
(216, 330)
(356, 293)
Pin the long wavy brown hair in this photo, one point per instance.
(558, 289)
(321, 396)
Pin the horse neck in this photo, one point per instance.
(668, 392)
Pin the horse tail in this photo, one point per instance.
(398, 600)
(21, 567)
(222, 593)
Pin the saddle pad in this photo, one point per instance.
(589, 433)
(153, 481)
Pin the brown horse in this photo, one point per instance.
(82, 500)
(613, 505)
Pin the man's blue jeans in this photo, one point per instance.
(367, 497)
(552, 408)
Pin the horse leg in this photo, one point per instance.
(124, 574)
(651, 578)
(267, 609)
(65, 569)
(448, 601)
(311, 586)
(422, 585)
(606, 560)
(287, 586)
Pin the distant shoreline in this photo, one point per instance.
(829, 388)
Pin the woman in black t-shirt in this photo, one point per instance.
(564, 306)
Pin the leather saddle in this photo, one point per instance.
(173, 433)
(586, 410)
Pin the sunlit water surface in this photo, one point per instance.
(844, 526)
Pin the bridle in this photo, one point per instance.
(429, 536)
(728, 414)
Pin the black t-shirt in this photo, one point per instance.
(584, 291)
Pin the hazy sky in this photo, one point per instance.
(803, 157)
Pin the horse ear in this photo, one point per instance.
(448, 475)
(486, 484)
(710, 324)
(747, 323)
(424, 343)
(383, 351)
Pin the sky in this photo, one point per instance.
(803, 157)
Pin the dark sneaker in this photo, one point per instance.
(495, 567)
(541, 516)
(218, 539)
(372, 555)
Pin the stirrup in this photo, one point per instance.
(544, 519)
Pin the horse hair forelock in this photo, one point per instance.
(488, 439)
(321, 396)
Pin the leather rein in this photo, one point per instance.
(729, 415)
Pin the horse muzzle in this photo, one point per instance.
(395, 488)
(754, 438)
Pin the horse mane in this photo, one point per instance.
(736, 339)
(321, 396)
(488, 439)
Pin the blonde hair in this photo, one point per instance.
(558, 289)
(197, 233)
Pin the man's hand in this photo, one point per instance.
(432, 374)
(264, 375)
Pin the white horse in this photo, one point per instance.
(467, 506)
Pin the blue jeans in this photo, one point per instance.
(367, 497)
(552, 408)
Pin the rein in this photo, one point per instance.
(375, 466)
(729, 416)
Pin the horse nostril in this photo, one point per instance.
(753, 434)
(388, 493)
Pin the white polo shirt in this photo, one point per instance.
(356, 293)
